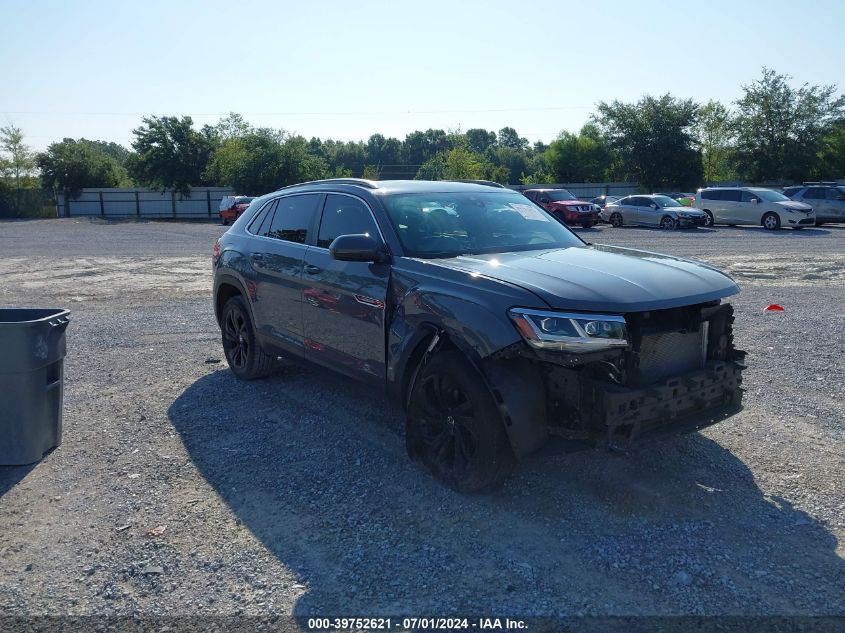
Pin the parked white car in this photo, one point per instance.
(652, 210)
(753, 205)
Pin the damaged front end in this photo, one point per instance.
(671, 370)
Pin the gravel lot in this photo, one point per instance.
(294, 494)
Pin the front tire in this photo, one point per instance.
(244, 355)
(454, 426)
(668, 224)
(616, 220)
(771, 221)
(708, 219)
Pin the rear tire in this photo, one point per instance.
(771, 221)
(454, 426)
(616, 220)
(244, 355)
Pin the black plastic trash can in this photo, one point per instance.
(32, 352)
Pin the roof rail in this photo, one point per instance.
(828, 183)
(489, 183)
(361, 182)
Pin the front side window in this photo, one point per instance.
(461, 223)
(294, 217)
(815, 193)
(345, 215)
(836, 193)
(732, 195)
(666, 201)
(770, 196)
(747, 196)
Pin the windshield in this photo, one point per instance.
(560, 194)
(451, 224)
(666, 201)
(769, 196)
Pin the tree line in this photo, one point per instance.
(775, 132)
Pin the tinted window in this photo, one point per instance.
(815, 193)
(294, 217)
(261, 224)
(733, 195)
(835, 193)
(791, 191)
(622, 201)
(747, 196)
(711, 194)
(344, 215)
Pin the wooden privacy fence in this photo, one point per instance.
(203, 203)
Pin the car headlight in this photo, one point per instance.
(570, 332)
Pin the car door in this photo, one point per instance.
(625, 207)
(344, 302)
(834, 204)
(633, 213)
(648, 212)
(734, 211)
(277, 259)
(816, 197)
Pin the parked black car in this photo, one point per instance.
(495, 326)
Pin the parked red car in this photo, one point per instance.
(231, 208)
(564, 206)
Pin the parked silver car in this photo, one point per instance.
(753, 205)
(827, 198)
(652, 210)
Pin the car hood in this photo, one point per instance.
(602, 278)
(570, 203)
(794, 204)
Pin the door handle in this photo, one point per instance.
(311, 269)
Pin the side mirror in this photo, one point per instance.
(357, 248)
(653, 206)
(754, 201)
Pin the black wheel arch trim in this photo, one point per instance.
(231, 280)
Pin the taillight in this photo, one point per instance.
(216, 252)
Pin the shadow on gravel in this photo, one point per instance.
(10, 476)
(315, 467)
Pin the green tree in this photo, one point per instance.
(780, 130)
(653, 140)
(263, 160)
(714, 130)
(585, 157)
(832, 155)
(171, 154)
(479, 140)
(70, 165)
(233, 125)
(462, 164)
(17, 163)
(432, 169)
(510, 139)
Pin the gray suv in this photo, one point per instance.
(496, 327)
(827, 198)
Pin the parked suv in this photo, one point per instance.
(826, 198)
(564, 206)
(753, 205)
(494, 326)
(231, 208)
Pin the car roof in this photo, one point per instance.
(397, 186)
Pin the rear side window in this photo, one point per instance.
(294, 218)
(835, 193)
(732, 195)
(345, 215)
(815, 193)
(711, 194)
(261, 224)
